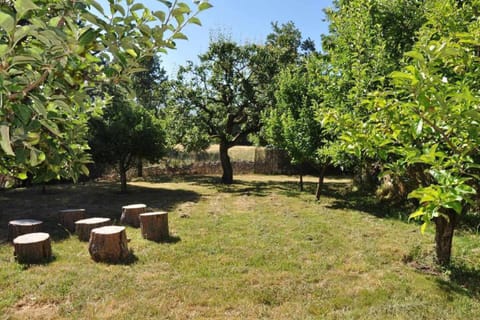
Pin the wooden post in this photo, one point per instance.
(32, 247)
(23, 226)
(84, 227)
(154, 226)
(130, 214)
(68, 217)
(108, 244)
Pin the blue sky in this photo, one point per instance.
(247, 21)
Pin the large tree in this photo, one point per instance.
(53, 56)
(220, 99)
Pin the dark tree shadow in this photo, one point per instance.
(170, 239)
(99, 200)
(463, 280)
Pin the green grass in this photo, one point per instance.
(257, 249)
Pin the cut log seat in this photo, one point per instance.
(23, 226)
(32, 247)
(130, 214)
(154, 226)
(68, 217)
(84, 227)
(108, 244)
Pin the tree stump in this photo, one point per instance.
(68, 217)
(108, 244)
(23, 226)
(32, 247)
(130, 214)
(84, 227)
(154, 226)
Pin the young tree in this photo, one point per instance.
(291, 125)
(53, 56)
(125, 132)
(220, 98)
(431, 118)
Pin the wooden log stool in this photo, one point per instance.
(32, 247)
(68, 217)
(130, 214)
(154, 226)
(23, 226)
(83, 227)
(108, 244)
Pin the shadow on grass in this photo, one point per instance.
(99, 200)
(170, 239)
(463, 280)
(368, 203)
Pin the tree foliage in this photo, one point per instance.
(124, 133)
(53, 56)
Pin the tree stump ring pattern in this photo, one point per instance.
(23, 226)
(83, 227)
(108, 244)
(130, 214)
(68, 217)
(154, 226)
(32, 247)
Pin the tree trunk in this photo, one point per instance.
(227, 176)
(444, 236)
(321, 177)
(123, 178)
(300, 184)
(139, 168)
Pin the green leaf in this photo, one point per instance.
(22, 176)
(7, 22)
(131, 52)
(137, 6)
(179, 35)
(195, 20)
(423, 227)
(87, 37)
(204, 6)
(420, 212)
(98, 6)
(160, 15)
(3, 50)
(117, 8)
(415, 55)
(23, 6)
(5, 142)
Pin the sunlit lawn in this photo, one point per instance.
(258, 249)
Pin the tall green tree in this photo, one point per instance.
(124, 133)
(53, 57)
(220, 99)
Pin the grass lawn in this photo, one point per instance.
(255, 250)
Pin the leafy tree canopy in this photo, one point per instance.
(53, 56)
